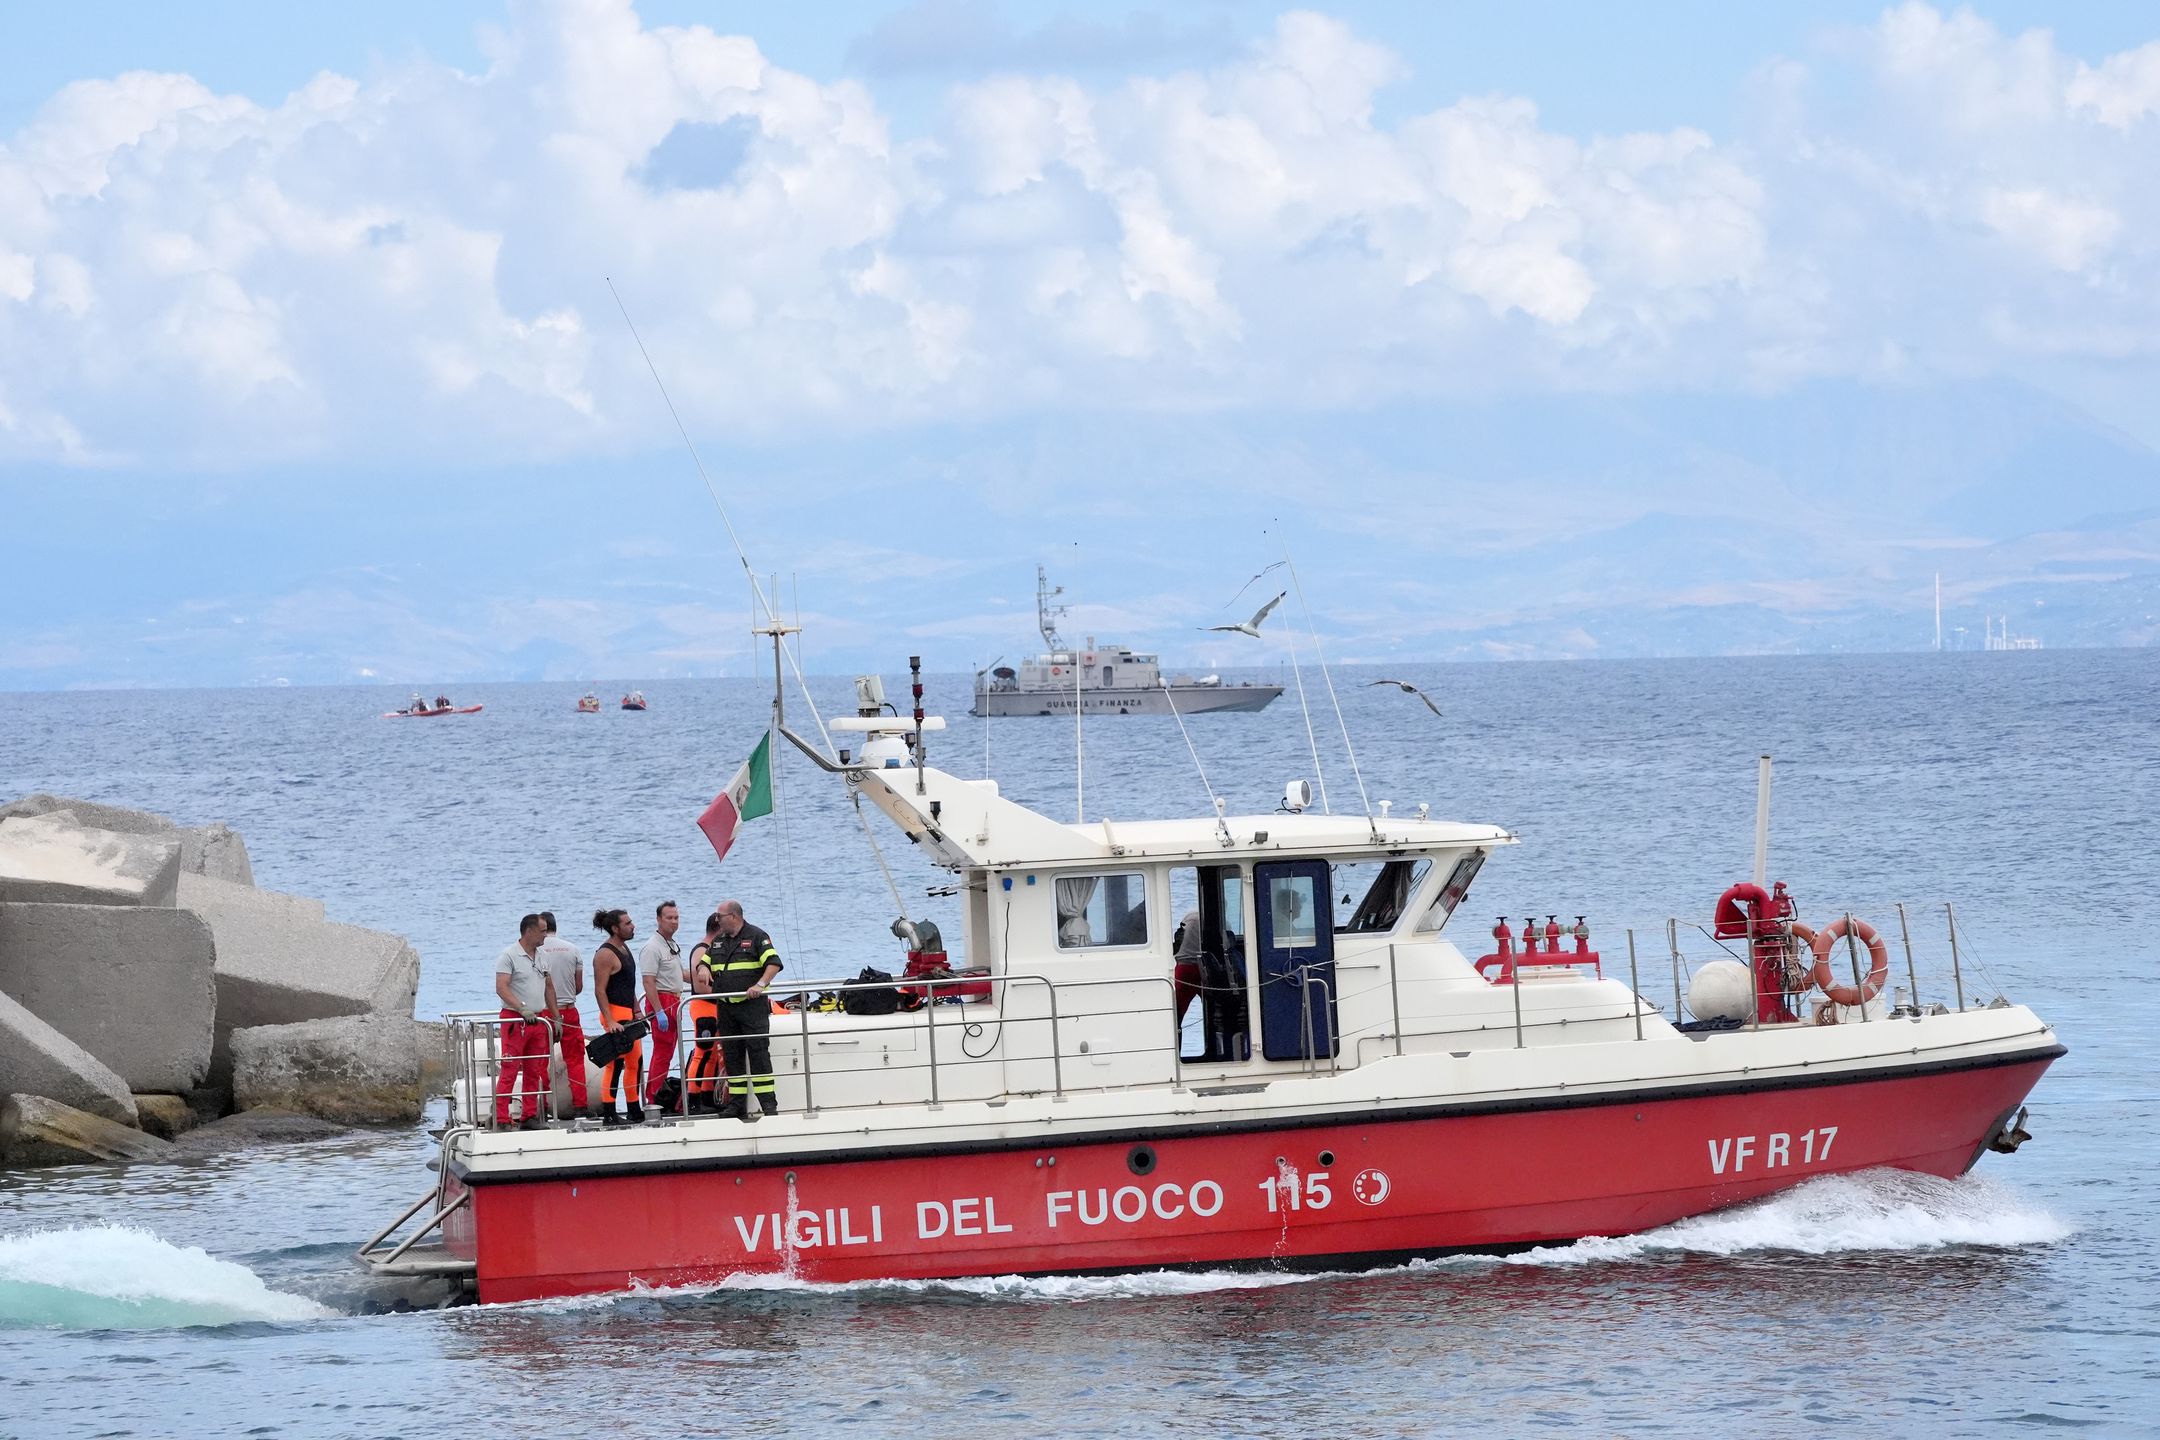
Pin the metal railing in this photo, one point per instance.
(474, 1038)
(1909, 1002)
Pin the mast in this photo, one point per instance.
(1047, 614)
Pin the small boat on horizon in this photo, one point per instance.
(588, 704)
(420, 709)
(635, 700)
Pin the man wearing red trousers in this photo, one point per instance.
(566, 968)
(661, 963)
(528, 998)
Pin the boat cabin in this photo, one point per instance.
(1194, 952)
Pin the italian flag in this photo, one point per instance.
(747, 796)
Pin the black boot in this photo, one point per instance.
(732, 1109)
(770, 1104)
(637, 1115)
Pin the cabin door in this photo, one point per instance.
(1297, 960)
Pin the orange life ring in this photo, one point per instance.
(1878, 962)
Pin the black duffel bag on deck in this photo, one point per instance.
(868, 1001)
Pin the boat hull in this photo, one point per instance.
(432, 714)
(1130, 700)
(1304, 1194)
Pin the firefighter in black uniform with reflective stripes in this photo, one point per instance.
(738, 966)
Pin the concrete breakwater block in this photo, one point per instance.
(166, 1116)
(131, 986)
(279, 962)
(215, 849)
(36, 1059)
(357, 1070)
(38, 1131)
(51, 859)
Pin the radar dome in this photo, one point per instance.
(1721, 990)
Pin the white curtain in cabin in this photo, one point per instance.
(1073, 894)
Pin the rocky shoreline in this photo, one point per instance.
(148, 988)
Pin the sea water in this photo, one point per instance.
(219, 1296)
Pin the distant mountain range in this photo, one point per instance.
(1563, 526)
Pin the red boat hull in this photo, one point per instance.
(1300, 1196)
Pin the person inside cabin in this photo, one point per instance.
(740, 965)
(527, 994)
(702, 1071)
(416, 704)
(1185, 962)
(566, 970)
(615, 994)
(661, 962)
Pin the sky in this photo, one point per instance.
(1542, 331)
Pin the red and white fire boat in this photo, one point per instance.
(1355, 1089)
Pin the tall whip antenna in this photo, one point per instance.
(1321, 655)
(1222, 826)
(1312, 741)
(767, 604)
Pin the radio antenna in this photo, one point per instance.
(1222, 825)
(1320, 655)
(769, 604)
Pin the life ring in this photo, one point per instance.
(1878, 962)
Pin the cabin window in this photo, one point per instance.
(1371, 895)
(1451, 894)
(1297, 916)
(1096, 911)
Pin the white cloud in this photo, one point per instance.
(413, 264)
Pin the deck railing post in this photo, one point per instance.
(1634, 985)
(1912, 976)
(1852, 954)
(1515, 987)
(1957, 973)
(809, 1102)
(1394, 997)
(930, 1020)
(1672, 943)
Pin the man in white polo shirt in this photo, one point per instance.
(528, 999)
(660, 962)
(566, 968)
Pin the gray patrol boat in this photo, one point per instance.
(1100, 679)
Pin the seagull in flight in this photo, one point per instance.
(1250, 627)
(1408, 689)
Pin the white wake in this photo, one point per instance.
(117, 1277)
(1873, 1210)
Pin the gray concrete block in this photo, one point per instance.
(38, 1131)
(36, 1059)
(218, 852)
(361, 1069)
(166, 1116)
(196, 891)
(131, 986)
(279, 962)
(215, 849)
(51, 859)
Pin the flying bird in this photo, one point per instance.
(1250, 627)
(1408, 689)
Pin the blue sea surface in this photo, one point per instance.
(218, 1296)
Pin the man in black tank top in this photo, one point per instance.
(615, 992)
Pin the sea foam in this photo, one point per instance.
(1871, 1210)
(117, 1277)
